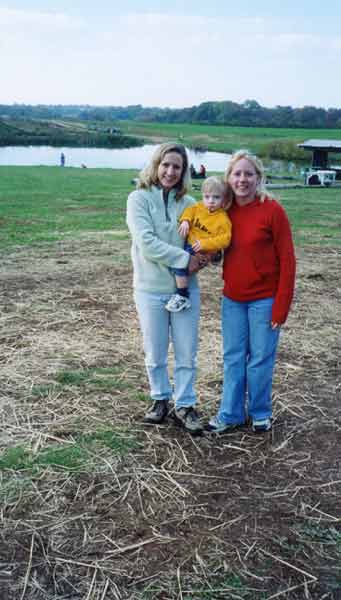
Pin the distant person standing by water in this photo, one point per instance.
(62, 159)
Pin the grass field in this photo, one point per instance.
(276, 143)
(265, 141)
(50, 204)
(95, 505)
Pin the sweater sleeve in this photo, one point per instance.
(142, 230)
(188, 214)
(284, 246)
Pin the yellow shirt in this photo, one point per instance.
(213, 229)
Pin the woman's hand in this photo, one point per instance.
(183, 229)
(275, 325)
(197, 262)
(196, 246)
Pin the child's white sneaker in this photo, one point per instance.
(177, 303)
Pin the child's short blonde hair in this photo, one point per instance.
(214, 183)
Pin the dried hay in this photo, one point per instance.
(233, 516)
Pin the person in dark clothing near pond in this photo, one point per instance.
(202, 171)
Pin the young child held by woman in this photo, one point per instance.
(206, 228)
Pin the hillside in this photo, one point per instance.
(35, 132)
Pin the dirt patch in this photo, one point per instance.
(231, 516)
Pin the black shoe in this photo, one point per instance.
(157, 412)
(188, 418)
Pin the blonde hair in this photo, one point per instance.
(261, 190)
(149, 175)
(217, 183)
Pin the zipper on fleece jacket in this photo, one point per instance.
(165, 196)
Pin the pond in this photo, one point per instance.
(122, 158)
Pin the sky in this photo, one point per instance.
(175, 54)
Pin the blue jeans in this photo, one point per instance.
(249, 347)
(159, 327)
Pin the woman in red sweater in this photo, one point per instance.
(259, 277)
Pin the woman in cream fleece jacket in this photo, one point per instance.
(153, 211)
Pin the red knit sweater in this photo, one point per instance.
(260, 262)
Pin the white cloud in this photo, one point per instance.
(19, 19)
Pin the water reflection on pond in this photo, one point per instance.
(123, 158)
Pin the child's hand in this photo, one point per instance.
(196, 246)
(183, 229)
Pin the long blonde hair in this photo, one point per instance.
(149, 175)
(261, 190)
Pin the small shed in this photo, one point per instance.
(320, 149)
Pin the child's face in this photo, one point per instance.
(213, 199)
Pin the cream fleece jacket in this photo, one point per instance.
(156, 243)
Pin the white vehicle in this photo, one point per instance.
(320, 177)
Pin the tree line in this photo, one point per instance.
(248, 114)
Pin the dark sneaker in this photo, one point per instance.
(188, 418)
(261, 426)
(157, 412)
(215, 425)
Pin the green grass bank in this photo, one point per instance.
(47, 204)
(268, 142)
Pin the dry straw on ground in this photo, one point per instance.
(232, 516)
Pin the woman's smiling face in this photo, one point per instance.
(170, 170)
(243, 180)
